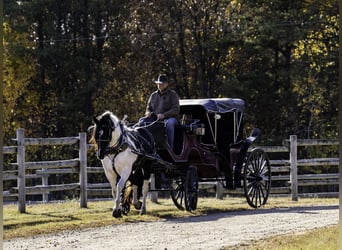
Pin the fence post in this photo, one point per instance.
(83, 170)
(293, 162)
(219, 190)
(21, 170)
(45, 182)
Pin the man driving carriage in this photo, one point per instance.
(163, 104)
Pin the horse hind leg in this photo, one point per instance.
(127, 197)
(144, 193)
(136, 203)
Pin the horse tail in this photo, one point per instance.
(92, 139)
(128, 195)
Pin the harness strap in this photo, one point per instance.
(121, 146)
(124, 142)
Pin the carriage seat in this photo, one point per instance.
(192, 126)
(157, 129)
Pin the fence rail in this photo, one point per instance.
(43, 169)
(285, 177)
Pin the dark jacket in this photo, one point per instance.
(166, 103)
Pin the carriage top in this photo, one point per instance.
(221, 117)
(216, 105)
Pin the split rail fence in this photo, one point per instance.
(285, 177)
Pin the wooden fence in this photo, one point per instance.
(325, 179)
(283, 159)
(45, 168)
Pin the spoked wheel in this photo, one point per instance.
(191, 189)
(178, 192)
(257, 178)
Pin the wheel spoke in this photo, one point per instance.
(177, 193)
(257, 176)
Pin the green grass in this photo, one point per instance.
(53, 217)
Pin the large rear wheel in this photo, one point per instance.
(191, 189)
(257, 178)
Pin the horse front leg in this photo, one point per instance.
(144, 198)
(111, 177)
(117, 211)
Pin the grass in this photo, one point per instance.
(54, 217)
(319, 239)
(323, 239)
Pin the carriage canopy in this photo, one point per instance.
(216, 105)
(221, 117)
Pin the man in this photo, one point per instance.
(163, 105)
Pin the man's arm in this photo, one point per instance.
(149, 110)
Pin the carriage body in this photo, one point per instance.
(215, 124)
(209, 145)
(207, 129)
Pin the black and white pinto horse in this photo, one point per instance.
(121, 151)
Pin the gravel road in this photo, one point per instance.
(203, 232)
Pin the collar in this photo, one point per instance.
(164, 92)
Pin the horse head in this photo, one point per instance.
(106, 133)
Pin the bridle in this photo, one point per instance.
(111, 128)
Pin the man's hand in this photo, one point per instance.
(161, 116)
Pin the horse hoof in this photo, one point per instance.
(125, 209)
(137, 206)
(116, 213)
(143, 211)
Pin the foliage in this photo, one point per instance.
(66, 61)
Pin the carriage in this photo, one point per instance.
(209, 145)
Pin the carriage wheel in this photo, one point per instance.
(191, 189)
(257, 178)
(177, 193)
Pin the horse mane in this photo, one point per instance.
(92, 137)
(92, 128)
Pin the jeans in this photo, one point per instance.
(170, 130)
(170, 124)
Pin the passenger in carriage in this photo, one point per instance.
(163, 104)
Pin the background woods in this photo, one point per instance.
(66, 61)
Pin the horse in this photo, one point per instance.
(122, 155)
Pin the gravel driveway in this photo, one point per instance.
(204, 232)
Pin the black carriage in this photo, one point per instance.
(209, 145)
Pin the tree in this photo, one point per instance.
(70, 60)
(270, 34)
